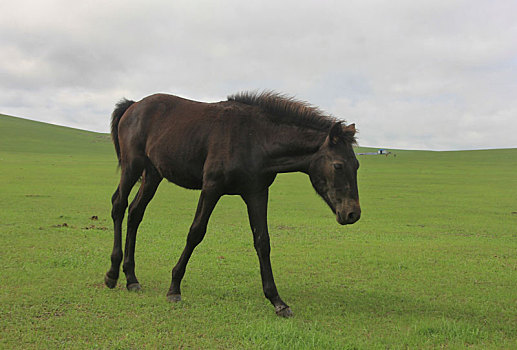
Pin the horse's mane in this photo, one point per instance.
(286, 110)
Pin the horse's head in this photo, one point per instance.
(333, 173)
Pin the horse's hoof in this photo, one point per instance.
(110, 282)
(134, 287)
(284, 311)
(174, 298)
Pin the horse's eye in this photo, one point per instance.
(338, 166)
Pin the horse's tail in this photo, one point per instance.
(119, 111)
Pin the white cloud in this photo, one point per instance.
(430, 75)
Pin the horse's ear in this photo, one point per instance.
(350, 129)
(335, 133)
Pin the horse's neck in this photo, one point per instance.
(291, 149)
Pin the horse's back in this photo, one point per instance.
(178, 135)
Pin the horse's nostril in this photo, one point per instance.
(353, 216)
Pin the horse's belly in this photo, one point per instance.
(181, 179)
(188, 174)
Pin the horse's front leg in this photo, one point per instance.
(257, 212)
(206, 204)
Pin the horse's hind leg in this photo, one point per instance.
(128, 178)
(150, 181)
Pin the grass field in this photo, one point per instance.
(431, 264)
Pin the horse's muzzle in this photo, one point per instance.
(348, 217)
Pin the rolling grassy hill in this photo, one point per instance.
(432, 262)
(28, 136)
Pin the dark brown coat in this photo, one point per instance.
(231, 147)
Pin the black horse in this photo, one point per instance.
(234, 147)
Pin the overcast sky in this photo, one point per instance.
(439, 75)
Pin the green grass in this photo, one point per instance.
(432, 263)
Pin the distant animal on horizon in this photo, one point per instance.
(233, 147)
